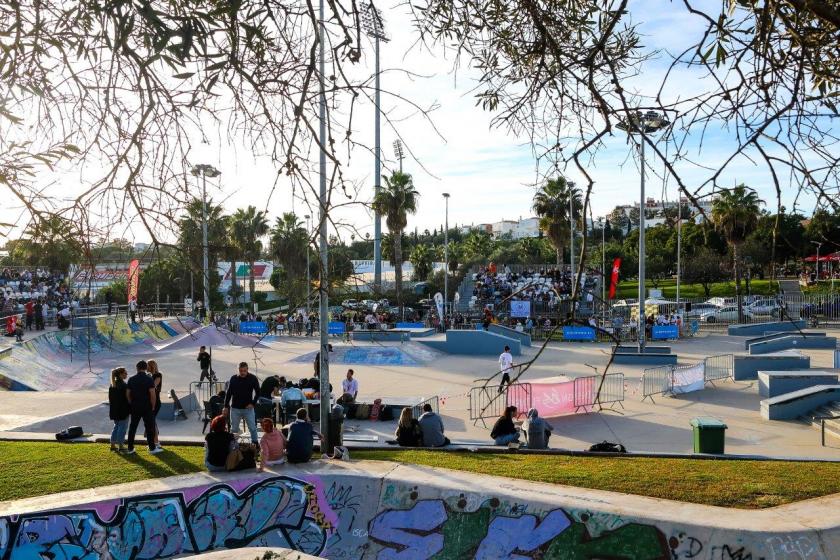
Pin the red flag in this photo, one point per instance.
(133, 279)
(614, 279)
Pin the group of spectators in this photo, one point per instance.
(544, 288)
(133, 400)
(30, 299)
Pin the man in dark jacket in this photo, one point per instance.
(142, 398)
(240, 399)
(299, 444)
(204, 362)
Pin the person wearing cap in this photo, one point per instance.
(240, 399)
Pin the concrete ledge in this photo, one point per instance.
(368, 509)
(523, 338)
(792, 341)
(775, 335)
(777, 383)
(381, 336)
(794, 405)
(747, 367)
(645, 359)
(760, 329)
(474, 343)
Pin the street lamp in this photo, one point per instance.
(642, 124)
(398, 152)
(323, 242)
(819, 246)
(445, 260)
(679, 245)
(205, 170)
(371, 20)
(603, 221)
(308, 281)
(570, 186)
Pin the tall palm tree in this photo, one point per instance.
(396, 201)
(735, 215)
(551, 204)
(289, 244)
(246, 228)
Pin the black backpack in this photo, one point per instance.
(72, 432)
(608, 447)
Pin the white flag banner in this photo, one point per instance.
(687, 379)
(439, 304)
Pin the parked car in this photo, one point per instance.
(721, 301)
(698, 309)
(724, 314)
(350, 303)
(764, 307)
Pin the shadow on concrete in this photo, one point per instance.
(725, 395)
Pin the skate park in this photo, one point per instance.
(642, 414)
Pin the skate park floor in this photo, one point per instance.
(661, 426)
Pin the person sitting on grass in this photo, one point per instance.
(218, 444)
(537, 431)
(408, 431)
(504, 431)
(299, 444)
(272, 445)
(431, 425)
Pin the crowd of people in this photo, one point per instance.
(32, 299)
(543, 288)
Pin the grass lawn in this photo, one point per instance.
(34, 469)
(630, 289)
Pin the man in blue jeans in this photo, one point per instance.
(141, 402)
(240, 399)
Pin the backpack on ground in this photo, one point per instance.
(72, 432)
(608, 447)
(362, 411)
(375, 410)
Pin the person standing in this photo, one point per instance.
(30, 314)
(505, 366)
(157, 379)
(39, 315)
(119, 410)
(141, 398)
(132, 309)
(240, 399)
(204, 362)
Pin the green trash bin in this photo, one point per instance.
(709, 435)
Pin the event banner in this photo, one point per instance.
(555, 399)
(665, 332)
(439, 305)
(614, 279)
(520, 308)
(579, 333)
(133, 279)
(687, 379)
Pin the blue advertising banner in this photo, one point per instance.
(579, 333)
(253, 327)
(664, 332)
(411, 326)
(520, 308)
(335, 327)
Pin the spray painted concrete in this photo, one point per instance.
(381, 511)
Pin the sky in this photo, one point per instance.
(489, 172)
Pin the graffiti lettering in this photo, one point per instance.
(789, 548)
(432, 529)
(726, 552)
(276, 512)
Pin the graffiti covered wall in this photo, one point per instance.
(396, 515)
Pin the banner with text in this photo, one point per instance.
(579, 333)
(133, 279)
(614, 278)
(520, 308)
(687, 379)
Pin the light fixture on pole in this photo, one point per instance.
(398, 152)
(571, 186)
(679, 245)
(819, 246)
(445, 261)
(323, 280)
(205, 170)
(371, 19)
(642, 124)
(308, 280)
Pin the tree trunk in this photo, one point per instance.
(737, 264)
(398, 269)
(251, 280)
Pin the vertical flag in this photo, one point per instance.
(133, 279)
(614, 280)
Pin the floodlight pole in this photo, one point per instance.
(308, 279)
(445, 261)
(205, 170)
(679, 245)
(642, 292)
(323, 296)
(571, 187)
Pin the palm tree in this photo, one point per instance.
(246, 228)
(421, 257)
(396, 201)
(289, 244)
(735, 215)
(551, 204)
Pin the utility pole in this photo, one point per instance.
(323, 296)
(205, 170)
(308, 280)
(445, 261)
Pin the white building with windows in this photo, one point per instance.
(516, 229)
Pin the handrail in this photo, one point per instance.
(822, 420)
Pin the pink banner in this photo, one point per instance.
(554, 399)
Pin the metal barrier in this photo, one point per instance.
(203, 390)
(718, 368)
(417, 409)
(612, 390)
(487, 401)
(657, 381)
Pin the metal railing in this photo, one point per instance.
(657, 381)
(822, 420)
(203, 390)
(417, 409)
(612, 390)
(718, 368)
(487, 401)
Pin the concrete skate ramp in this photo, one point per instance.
(80, 358)
(405, 354)
(373, 510)
(209, 335)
